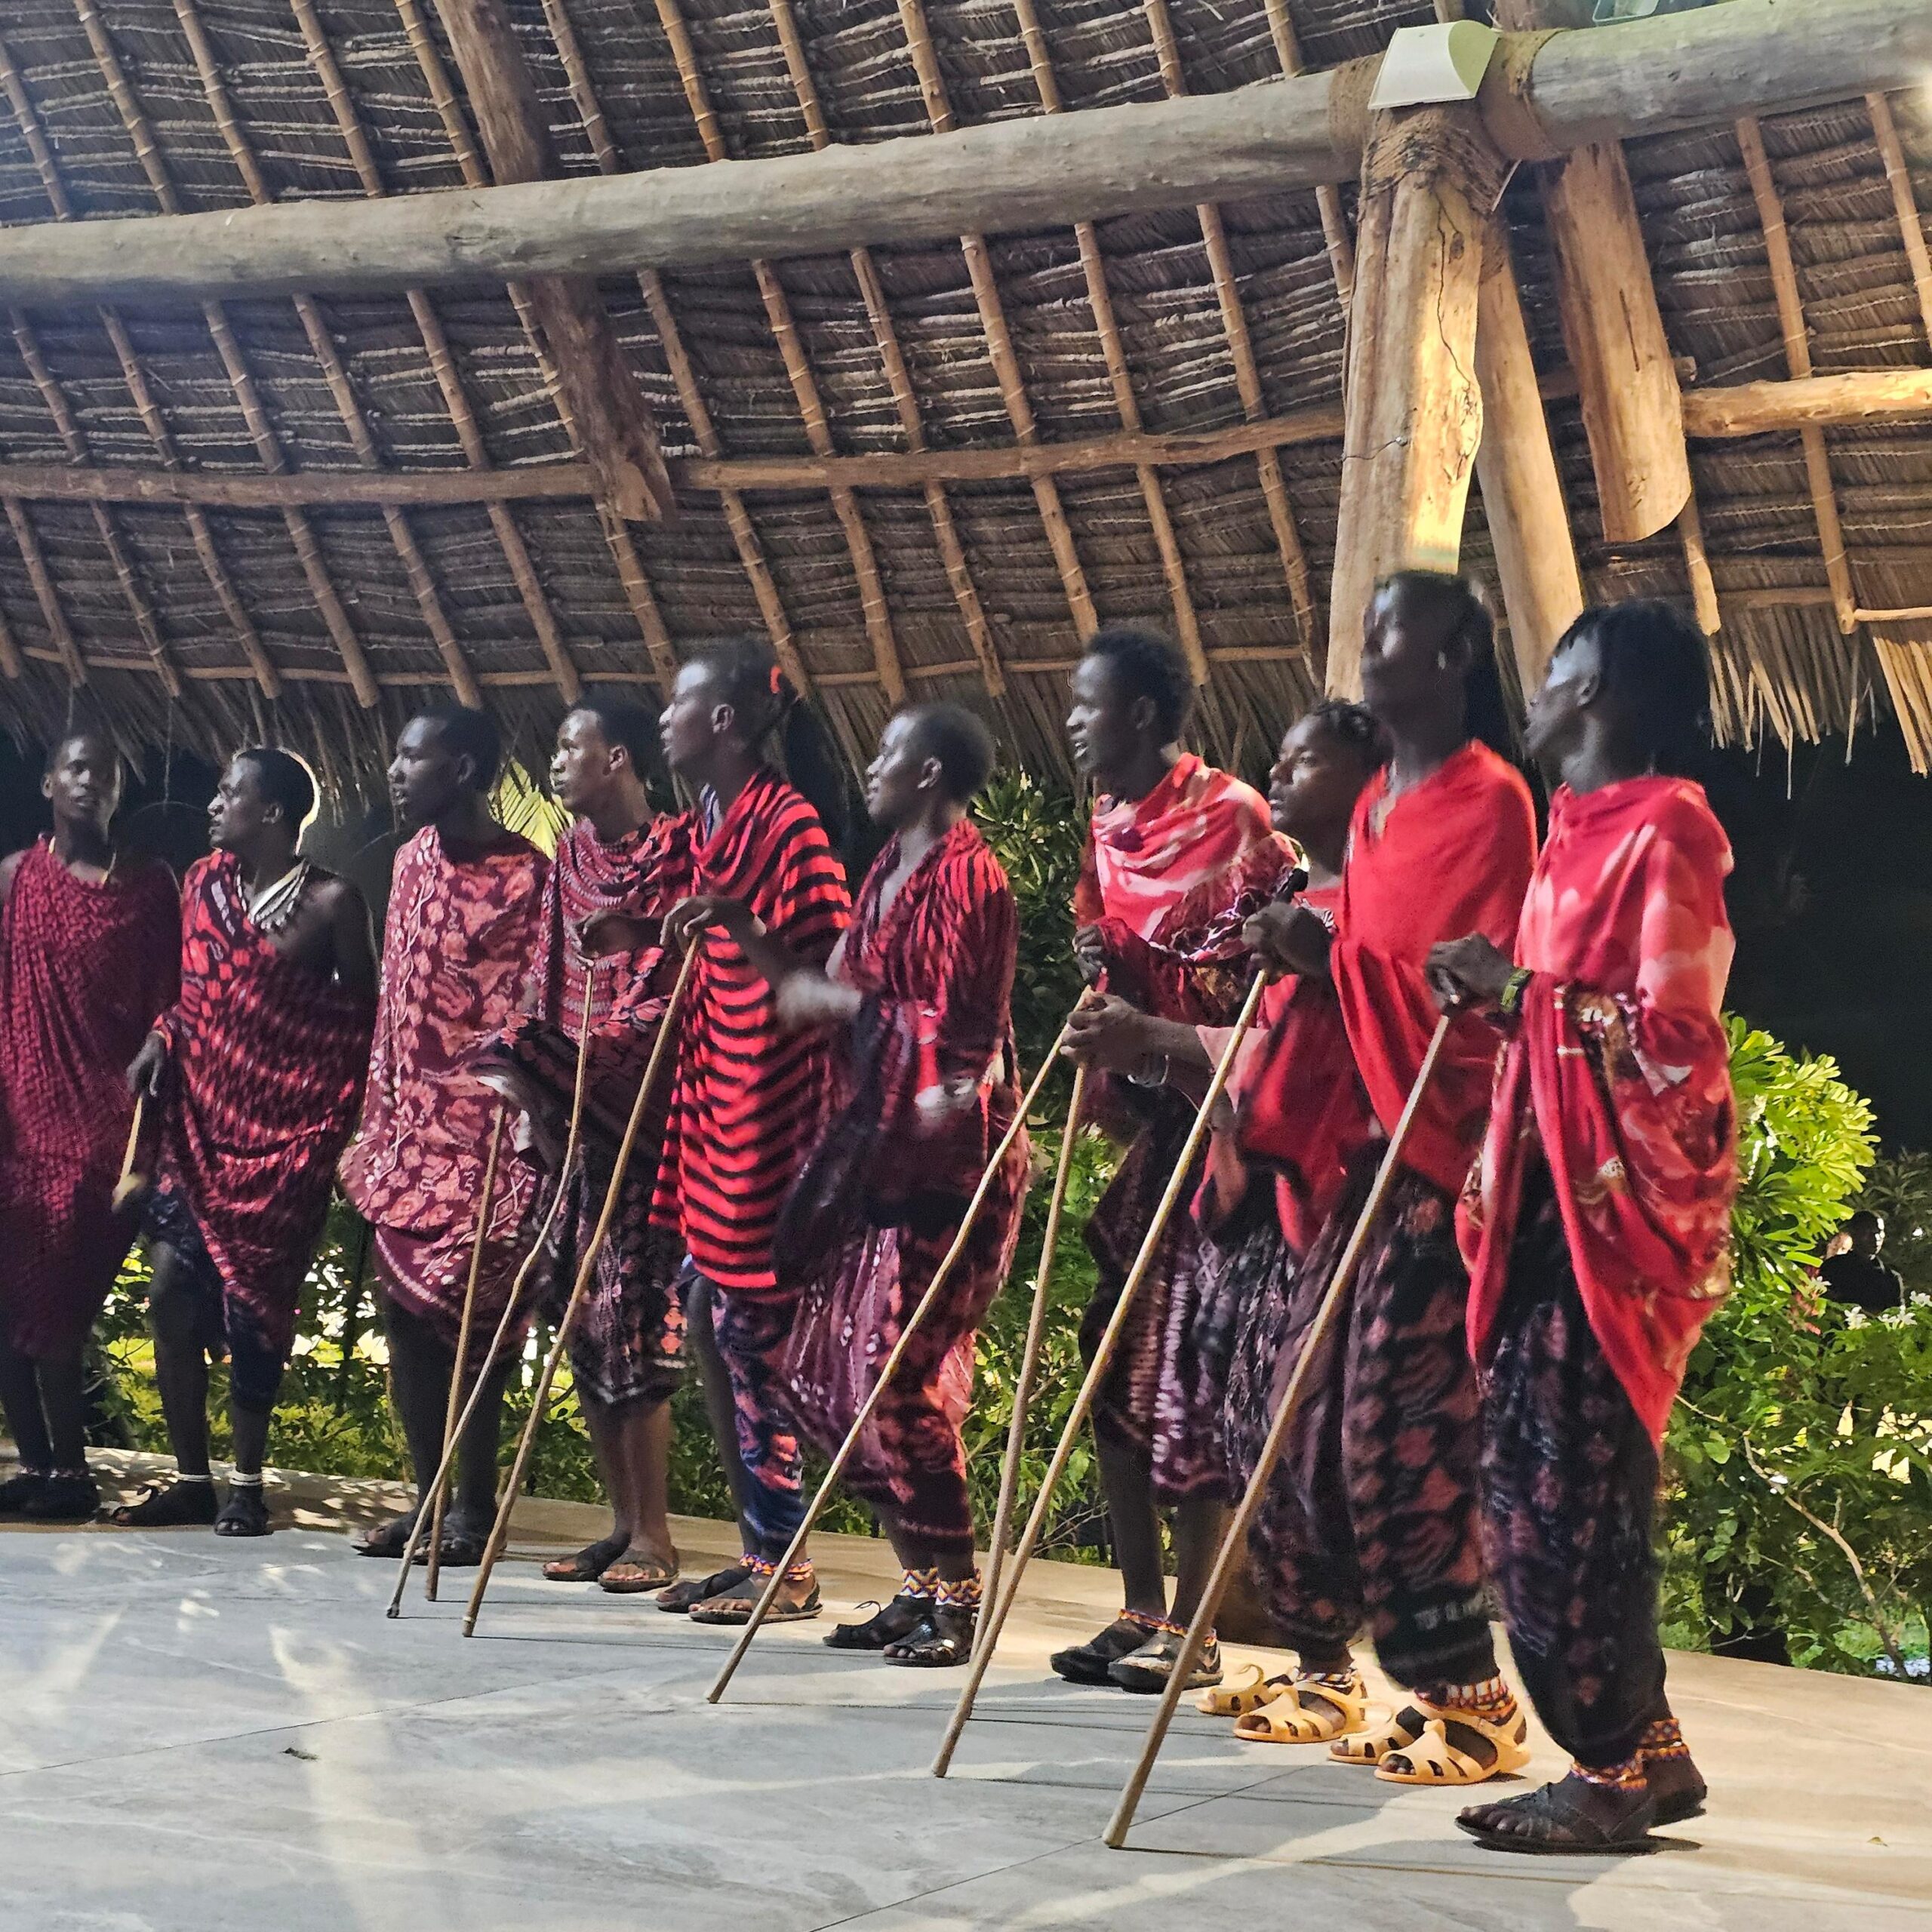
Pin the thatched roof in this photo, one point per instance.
(108, 108)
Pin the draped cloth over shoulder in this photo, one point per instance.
(927, 1093)
(627, 1342)
(267, 1061)
(456, 950)
(84, 969)
(1618, 1068)
(1169, 880)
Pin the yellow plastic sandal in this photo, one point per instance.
(1307, 1712)
(1431, 1759)
(1236, 1698)
(1370, 1747)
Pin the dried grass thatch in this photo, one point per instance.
(109, 110)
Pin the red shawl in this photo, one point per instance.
(748, 1095)
(456, 949)
(1170, 880)
(84, 969)
(644, 873)
(1619, 1062)
(267, 1063)
(936, 972)
(1449, 857)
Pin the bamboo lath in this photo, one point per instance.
(333, 497)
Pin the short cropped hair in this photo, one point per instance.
(1656, 662)
(961, 742)
(624, 723)
(470, 735)
(1354, 727)
(285, 780)
(1150, 666)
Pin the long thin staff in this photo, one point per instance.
(130, 1184)
(586, 1268)
(928, 1300)
(453, 1408)
(1029, 1359)
(1235, 1543)
(982, 1655)
(510, 1306)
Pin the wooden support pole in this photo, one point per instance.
(1414, 412)
(1905, 202)
(1678, 70)
(1522, 494)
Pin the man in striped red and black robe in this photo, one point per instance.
(748, 1097)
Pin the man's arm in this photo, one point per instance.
(9, 866)
(353, 955)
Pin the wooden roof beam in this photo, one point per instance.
(1241, 353)
(321, 344)
(898, 380)
(1113, 349)
(1905, 201)
(1797, 359)
(874, 614)
(53, 613)
(1544, 97)
(992, 306)
(442, 362)
(619, 437)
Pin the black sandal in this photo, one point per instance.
(943, 1640)
(892, 1622)
(681, 1598)
(389, 1539)
(245, 1514)
(64, 1499)
(589, 1563)
(1149, 1668)
(1571, 1817)
(459, 1549)
(168, 1505)
(17, 1491)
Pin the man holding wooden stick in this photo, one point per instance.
(618, 870)
(1597, 1223)
(1179, 855)
(455, 951)
(1371, 1516)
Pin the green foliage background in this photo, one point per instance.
(1799, 1469)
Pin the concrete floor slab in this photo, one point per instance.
(198, 1736)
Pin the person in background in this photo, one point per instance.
(1179, 855)
(1597, 1225)
(90, 953)
(258, 1068)
(1856, 1277)
(456, 945)
(619, 862)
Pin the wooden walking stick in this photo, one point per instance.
(130, 1184)
(586, 1268)
(440, 1493)
(929, 1300)
(997, 1613)
(1333, 1300)
(1029, 1359)
(509, 1314)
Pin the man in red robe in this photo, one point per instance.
(456, 951)
(618, 862)
(1179, 855)
(1598, 1226)
(748, 1097)
(1372, 1516)
(258, 1067)
(90, 951)
(922, 985)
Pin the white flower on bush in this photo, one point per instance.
(1921, 1301)
(1896, 1317)
(1855, 1318)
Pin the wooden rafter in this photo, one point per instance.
(1798, 360)
(1905, 201)
(629, 567)
(1240, 349)
(898, 380)
(321, 344)
(442, 363)
(878, 616)
(241, 379)
(52, 611)
(684, 373)
(992, 306)
(1335, 231)
(1113, 348)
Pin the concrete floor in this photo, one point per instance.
(203, 1736)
